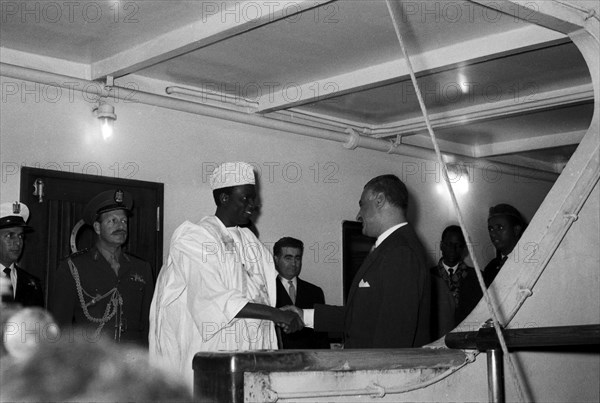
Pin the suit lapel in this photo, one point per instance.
(371, 257)
(300, 292)
(28, 290)
(282, 295)
(22, 284)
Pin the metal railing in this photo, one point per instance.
(219, 376)
(558, 338)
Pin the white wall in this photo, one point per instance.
(308, 186)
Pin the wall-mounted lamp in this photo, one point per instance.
(106, 113)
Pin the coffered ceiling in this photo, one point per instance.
(495, 86)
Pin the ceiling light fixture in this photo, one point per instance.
(106, 113)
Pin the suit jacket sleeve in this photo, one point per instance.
(329, 318)
(321, 338)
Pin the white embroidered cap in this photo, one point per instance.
(231, 174)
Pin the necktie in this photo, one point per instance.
(292, 291)
(9, 295)
(452, 282)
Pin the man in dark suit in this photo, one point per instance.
(291, 290)
(388, 303)
(454, 287)
(26, 289)
(505, 227)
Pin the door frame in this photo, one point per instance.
(29, 176)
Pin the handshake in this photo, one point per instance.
(290, 319)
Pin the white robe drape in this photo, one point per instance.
(211, 273)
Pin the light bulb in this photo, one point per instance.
(106, 128)
(107, 116)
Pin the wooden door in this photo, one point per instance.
(58, 209)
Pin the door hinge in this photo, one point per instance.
(38, 189)
(158, 219)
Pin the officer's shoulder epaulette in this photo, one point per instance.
(132, 255)
(78, 253)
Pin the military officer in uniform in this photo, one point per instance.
(104, 289)
(23, 288)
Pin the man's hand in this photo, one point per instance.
(291, 319)
(293, 308)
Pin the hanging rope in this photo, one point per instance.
(486, 296)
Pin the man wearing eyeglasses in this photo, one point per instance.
(22, 287)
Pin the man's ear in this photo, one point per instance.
(379, 199)
(96, 226)
(223, 198)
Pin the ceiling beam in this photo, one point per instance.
(484, 48)
(561, 16)
(216, 25)
(44, 63)
(508, 156)
(452, 147)
(489, 111)
(524, 161)
(472, 114)
(529, 144)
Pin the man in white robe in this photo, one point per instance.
(217, 290)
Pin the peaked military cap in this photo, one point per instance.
(109, 200)
(14, 214)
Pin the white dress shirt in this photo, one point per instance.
(448, 268)
(387, 233)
